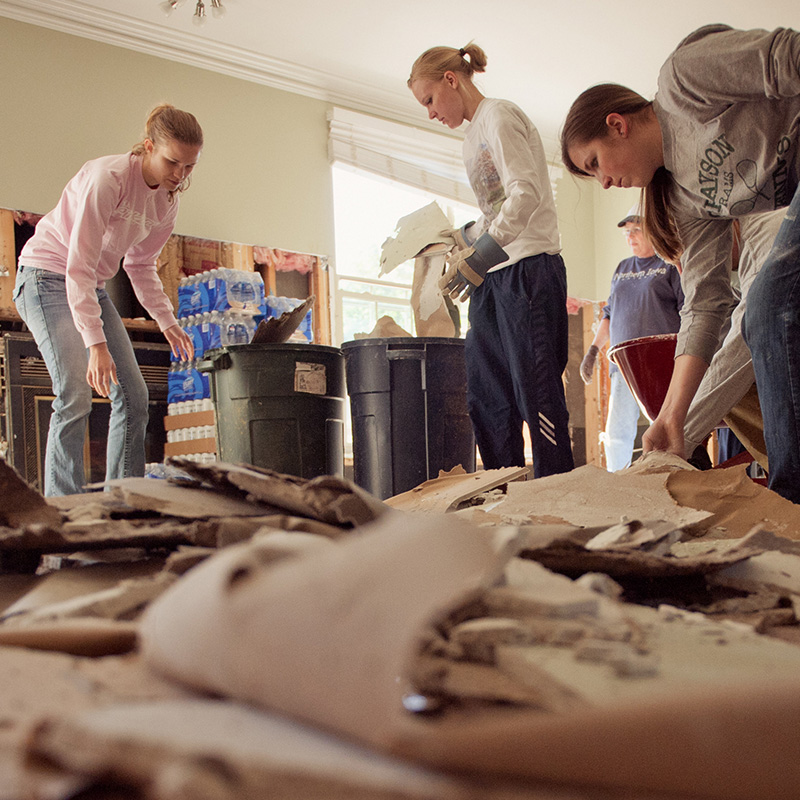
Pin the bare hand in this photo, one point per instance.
(180, 342)
(102, 371)
(664, 435)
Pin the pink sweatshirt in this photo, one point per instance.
(106, 213)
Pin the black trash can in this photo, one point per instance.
(408, 398)
(279, 406)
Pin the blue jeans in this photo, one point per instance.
(772, 332)
(515, 351)
(41, 299)
(622, 423)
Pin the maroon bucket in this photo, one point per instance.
(646, 364)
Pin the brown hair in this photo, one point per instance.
(167, 123)
(433, 63)
(586, 121)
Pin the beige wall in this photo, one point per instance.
(263, 178)
(592, 243)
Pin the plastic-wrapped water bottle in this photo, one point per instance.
(234, 328)
(193, 382)
(211, 287)
(184, 293)
(198, 296)
(175, 379)
(210, 331)
(192, 327)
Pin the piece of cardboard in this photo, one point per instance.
(279, 329)
(735, 503)
(190, 446)
(193, 419)
(79, 637)
(450, 489)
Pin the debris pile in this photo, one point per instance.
(464, 626)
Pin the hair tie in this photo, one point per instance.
(461, 51)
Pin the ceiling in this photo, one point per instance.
(358, 53)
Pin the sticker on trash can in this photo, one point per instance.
(310, 378)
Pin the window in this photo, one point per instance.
(366, 210)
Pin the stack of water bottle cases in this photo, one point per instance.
(217, 308)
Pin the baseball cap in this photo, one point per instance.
(634, 215)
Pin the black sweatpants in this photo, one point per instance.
(516, 351)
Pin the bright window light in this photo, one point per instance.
(366, 210)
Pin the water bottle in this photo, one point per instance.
(234, 329)
(198, 297)
(184, 292)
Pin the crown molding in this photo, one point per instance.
(121, 30)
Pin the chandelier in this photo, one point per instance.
(199, 16)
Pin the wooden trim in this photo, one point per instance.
(8, 258)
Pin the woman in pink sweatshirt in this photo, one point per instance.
(118, 209)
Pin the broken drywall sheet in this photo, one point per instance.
(735, 503)
(154, 746)
(589, 496)
(413, 233)
(189, 501)
(193, 631)
(452, 488)
(329, 499)
(37, 684)
(23, 505)
(371, 595)
(431, 317)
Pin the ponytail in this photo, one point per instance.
(433, 63)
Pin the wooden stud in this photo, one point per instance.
(8, 262)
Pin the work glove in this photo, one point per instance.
(459, 235)
(587, 365)
(467, 268)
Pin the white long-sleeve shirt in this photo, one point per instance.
(106, 213)
(508, 172)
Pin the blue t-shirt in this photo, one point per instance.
(645, 299)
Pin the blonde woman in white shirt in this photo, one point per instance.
(508, 264)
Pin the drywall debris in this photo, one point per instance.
(413, 233)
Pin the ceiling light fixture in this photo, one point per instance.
(199, 16)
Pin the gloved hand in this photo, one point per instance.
(467, 268)
(587, 365)
(460, 235)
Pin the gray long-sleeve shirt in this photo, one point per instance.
(728, 105)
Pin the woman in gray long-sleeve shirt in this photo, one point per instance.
(720, 140)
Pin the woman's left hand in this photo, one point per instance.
(180, 342)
